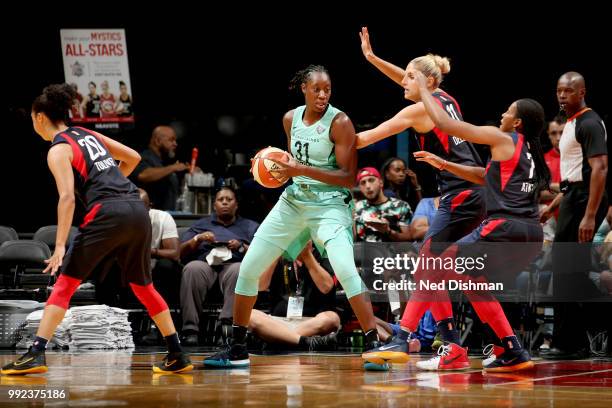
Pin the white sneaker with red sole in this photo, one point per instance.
(450, 356)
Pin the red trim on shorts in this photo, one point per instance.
(507, 167)
(490, 226)
(78, 161)
(89, 217)
(459, 199)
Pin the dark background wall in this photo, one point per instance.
(192, 67)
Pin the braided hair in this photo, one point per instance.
(302, 76)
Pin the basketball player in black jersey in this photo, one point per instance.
(512, 180)
(461, 206)
(117, 225)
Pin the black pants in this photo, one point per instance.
(571, 266)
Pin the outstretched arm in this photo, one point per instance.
(501, 144)
(469, 173)
(411, 116)
(394, 72)
(152, 174)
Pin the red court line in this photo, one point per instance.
(528, 380)
(444, 373)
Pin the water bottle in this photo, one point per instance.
(180, 203)
(187, 206)
(183, 201)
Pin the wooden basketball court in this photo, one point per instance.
(114, 378)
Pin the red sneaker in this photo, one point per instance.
(450, 356)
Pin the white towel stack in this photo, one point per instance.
(61, 337)
(85, 327)
(100, 327)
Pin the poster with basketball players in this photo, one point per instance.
(96, 65)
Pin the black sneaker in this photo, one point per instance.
(233, 356)
(32, 362)
(174, 363)
(319, 343)
(509, 361)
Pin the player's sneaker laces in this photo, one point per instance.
(32, 362)
(174, 363)
(450, 356)
(510, 361)
(232, 356)
(491, 351)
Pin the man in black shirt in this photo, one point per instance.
(154, 174)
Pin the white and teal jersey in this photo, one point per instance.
(311, 145)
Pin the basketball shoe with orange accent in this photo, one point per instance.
(395, 351)
(510, 360)
(32, 362)
(174, 363)
(450, 356)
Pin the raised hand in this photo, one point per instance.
(366, 47)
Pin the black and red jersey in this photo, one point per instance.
(449, 147)
(96, 174)
(510, 184)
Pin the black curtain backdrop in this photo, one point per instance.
(192, 67)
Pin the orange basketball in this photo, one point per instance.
(263, 169)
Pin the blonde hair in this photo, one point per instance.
(432, 65)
